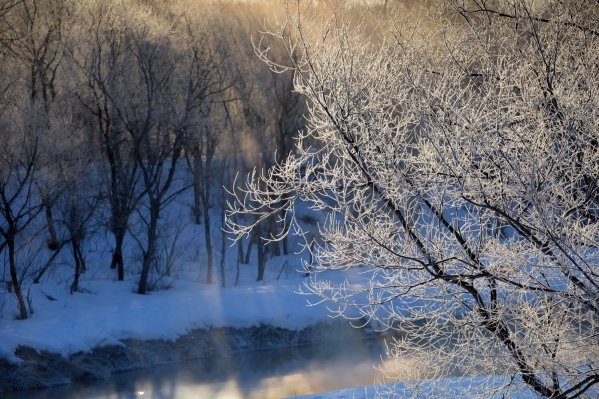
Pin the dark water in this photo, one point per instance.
(275, 373)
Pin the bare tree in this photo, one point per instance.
(458, 161)
(77, 204)
(33, 36)
(104, 58)
(143, 107)
(206, 77)
(22, 161)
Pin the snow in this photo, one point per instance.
(107, 311)
(355, 393)
(111, 311)
(445, 388)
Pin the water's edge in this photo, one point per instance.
(41, 369)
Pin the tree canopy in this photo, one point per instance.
(455, 156)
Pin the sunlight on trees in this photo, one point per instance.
(455, 154)
(451, 144)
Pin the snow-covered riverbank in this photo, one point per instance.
(110, 312)
(109, 328)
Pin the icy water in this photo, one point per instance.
(266, 374)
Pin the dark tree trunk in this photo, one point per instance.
(240, 251)
(285, 246)
(248, 252)
(150, 252)
(197, 184)
(274, 247)
(262, 254)
(49, 263)
(79, 264)
(15, 280)
(53, 241)
(261, 262)
(117, 255)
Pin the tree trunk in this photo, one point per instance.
(49, 263)
(15, 280)
(248, 252)
(53, 241)
(275, 249)
(78, 265)
(81, 257)
(240, 251)
(285, 246)
(117, 255)
(208, 245)
(197, 184)
(261, 261)
(262, 252)
(150, 252)
(223, 249)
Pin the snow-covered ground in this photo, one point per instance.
(110, 311)
(446, 388)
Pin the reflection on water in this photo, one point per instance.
(266, 374)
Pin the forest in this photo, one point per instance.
(444, 150)
(110, 110)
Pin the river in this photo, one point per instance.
(264, 374)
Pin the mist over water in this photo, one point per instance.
(272, 373)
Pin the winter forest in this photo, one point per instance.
(427, 170)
